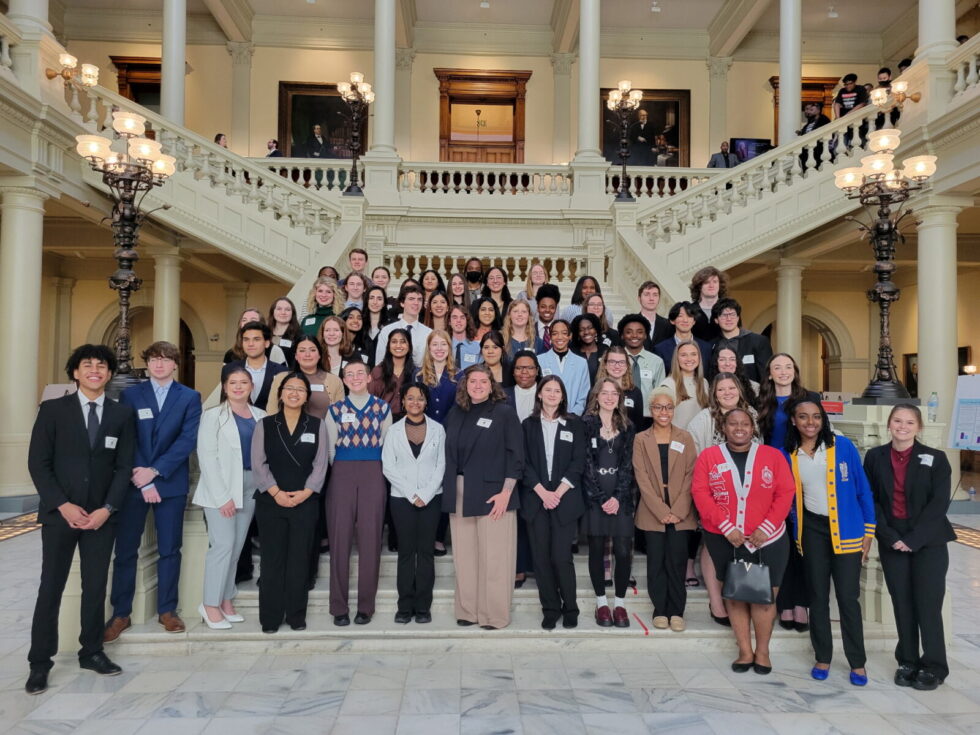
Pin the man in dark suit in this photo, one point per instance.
(317, 145)
(167, 417)
(256, 340)
(80, 460)
(660, 328)
(641, 135)
(723, 159)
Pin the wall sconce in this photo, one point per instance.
(87, 76)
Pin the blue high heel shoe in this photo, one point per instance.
(859, 680)
(819, 674)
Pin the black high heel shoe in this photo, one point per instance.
(725, 621)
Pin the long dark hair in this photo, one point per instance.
(440, 284)
(292, 329)
(713, 369)
(506, 371)
(299, 375)
(475, 312)
(391, 381)
(356, 337)
(505, 296)
(793, 438)
(226, 372)
(562, 412)
(383, 316)
(577, 297)
(768, 405)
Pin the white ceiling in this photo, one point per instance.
(508, 12)
(193, 6)
(674, 14)
(863, 15)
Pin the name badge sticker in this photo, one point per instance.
(723, 467)
(309, 320)
(566, 436)
(595, 444)
(285, 343)
(484, 423)
(628, 402)
(677, 446)
(145, 413)
(748, 359)
(646, 374)
(316, 387)
(111, 441)
(469, 357)
(546, 371)
(307, 438)
(926, 459)
(348, 418)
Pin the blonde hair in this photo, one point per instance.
(428, 374)
(338, 298)
(532, 324)
(662, 390)
(346, 341)
(700, 392)
(529, 289)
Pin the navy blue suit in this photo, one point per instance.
(165, 439)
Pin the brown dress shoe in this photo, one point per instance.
(171, 622)
(115, 627)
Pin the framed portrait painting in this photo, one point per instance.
(659, 131)
(314, 121)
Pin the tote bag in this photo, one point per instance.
(748, 581)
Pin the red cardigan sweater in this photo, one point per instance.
(725, 504)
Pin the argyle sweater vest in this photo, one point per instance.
(359, 429)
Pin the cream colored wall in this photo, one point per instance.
(207, 93)
(750, 105)
(539, 112)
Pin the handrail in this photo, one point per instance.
(331, 174)
(239, 176)
(778, 167)
(9, 37)
(447, 177)
(963, 62)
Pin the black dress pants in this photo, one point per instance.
(793, 591)
(821, 565)
(416, 529)
(916, 581)
(666, 570)
(58, 542)
(286, 536)
(554, 564)
(623, 556)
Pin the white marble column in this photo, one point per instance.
(21, 238)
(173, 63)
(561, 138)
(61, 329)
(718, 67)
(789, 307)
(937, 28)
(929, 73)
(588, 82)
(241, 97)
(166, 297)
(404, 60)
(790, 67)
(31, 19)
(384, 78)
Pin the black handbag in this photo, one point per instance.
(748, 581)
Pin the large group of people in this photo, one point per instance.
(520, 427)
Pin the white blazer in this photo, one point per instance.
(219, 455)
(410, 476)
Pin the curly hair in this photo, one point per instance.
(497, 394)
(698, 279)
(718, 413)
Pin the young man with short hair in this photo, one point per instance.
(649, 297)
(357, 259)
(647, 369)
(81, 461)
(473, 272)
(753, 349)
(356, 429)
(167, 417)
(682, 319)
(411, 304)
(547, 311)
(256, 339)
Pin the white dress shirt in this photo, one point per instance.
(524, 401)
(813, 478)
(84, 400)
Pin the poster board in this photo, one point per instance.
(964, 424)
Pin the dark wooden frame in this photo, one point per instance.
(315, 91)
(963, 355)
(813, 89)
(478, 86)
(134, 71)
(610, 131)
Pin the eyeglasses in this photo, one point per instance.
(661, 409)
(525, 367)
(290, 389)
(728, 315)
(158, 360)
(616, 362)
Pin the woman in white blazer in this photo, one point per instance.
(413, 460)
(226, 491)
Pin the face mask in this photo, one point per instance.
(474, 276)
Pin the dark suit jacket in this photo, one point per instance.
(927, 496)
(165, 438)
(272, 369)
(274, 154)
(317, 149)
(756, 345)
(65, 469)
(568, 461)
(661, 329)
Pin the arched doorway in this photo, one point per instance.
(141, 335)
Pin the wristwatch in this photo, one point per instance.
(154, 470)
(109, 507)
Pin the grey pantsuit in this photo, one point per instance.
(226, 536)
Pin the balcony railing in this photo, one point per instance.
(964, 63)
(648, 182)
(485, 179)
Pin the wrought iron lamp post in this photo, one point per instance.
(130, 174)
(358, 95)
(876, 183)
(623, 101)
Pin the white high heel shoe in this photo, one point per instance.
(234, 617)
(220, 625)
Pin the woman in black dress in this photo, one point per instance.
(608, 485)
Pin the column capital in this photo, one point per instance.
(562, 63)
(404, 59)
(241, 52)
(935, 204)
(790, 266)
(22, 197)
(63, 283)
(718, 66)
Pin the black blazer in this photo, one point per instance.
(750, 343)
(65, 469)
(568, 461)
(484, 456)
(660, 330)
(272, 369)
(624, 491)
(927, 496)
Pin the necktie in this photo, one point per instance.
(93, 423)
(547, 338)
(636, 371)
(459, 355)
(161, 397)
(726, 161)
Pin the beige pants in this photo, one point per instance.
(485, 557)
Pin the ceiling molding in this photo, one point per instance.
(234, 17)
(818, 48)
(629, 43)
(900, 39)
(732, 24)
(483, 38)
(312, 33)
(137, 26)
(406, 17)
(564, 25)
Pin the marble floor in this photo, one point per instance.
(447, 692)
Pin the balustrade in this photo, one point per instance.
(310, 174)
(9, 37)
(560, 268)
(649, 182)
(485, 179)
(963, 61)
